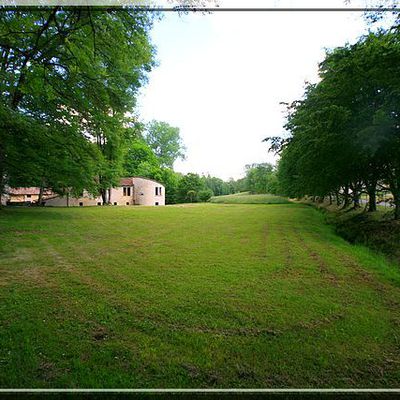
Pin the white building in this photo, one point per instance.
(132, 191)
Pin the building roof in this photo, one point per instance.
(27, 190)
(130, 181)
(126, 182)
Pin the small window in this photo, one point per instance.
(99, 204)
(124, 191)
(157, 203)
(159, 191)
(127, 203)
(80, 204)
(115, 203)
(156, 190)
(28, 196)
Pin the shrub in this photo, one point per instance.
(205, 195)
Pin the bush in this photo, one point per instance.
(205, 195)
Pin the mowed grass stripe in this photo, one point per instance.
(192, 296)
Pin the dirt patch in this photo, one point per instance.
(321, 322)
(20, 232)
(47, 371)
(245, 372)
(31, 276)
(214, 378)
(192, 370)
(100, 334)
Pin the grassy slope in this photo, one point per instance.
(246, 198)
(377, 230)
(199, 296)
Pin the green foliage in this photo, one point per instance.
(345, 135)
(189, 187)
(75, 71)
(40, 155)
(140, 160)
(205, 195)
(259, 178)
(165, 142)
(218, 186)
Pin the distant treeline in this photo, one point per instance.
(192, 187)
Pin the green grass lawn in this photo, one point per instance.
(247, 198)
(210, 295)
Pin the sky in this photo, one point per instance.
(221, 78)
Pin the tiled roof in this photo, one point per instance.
(126, 182)
(131, 180)
(24, 190)
(28, 190)
(146, 179)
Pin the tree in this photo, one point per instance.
(188, 188)
(258, 177)
(165, 142)
(76, 71)
(205, 195)
(191, 195)
(139, 158)
(217, 186)
(345, 133)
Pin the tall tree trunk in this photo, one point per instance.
(346, 197)
(40, 199)
(396, 200)
(356, 200)
(103, 193)
(371, 198)
(337, 195)
(109, 195)
(355, 194)
(394, 186)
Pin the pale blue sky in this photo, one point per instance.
(222, 76)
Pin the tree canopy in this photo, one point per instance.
(345, 132)
(69, 77)
(165, 141)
